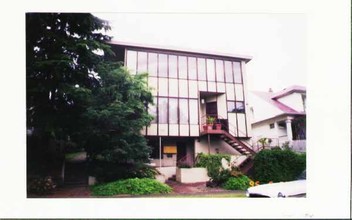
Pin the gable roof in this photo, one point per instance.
(289, 90)
(271, 98)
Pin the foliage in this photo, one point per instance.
(213, 164)
(77, 98)
(278, 165)
(237, 183)
(41, 185)
(210, 120)
(133, 186)
(108, 171)
(61, 60)
(116, 116)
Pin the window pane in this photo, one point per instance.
(231, 107)
(201, 69)
(193, 106)
(173, 106)
(152, 111)
(237, 71)
(153, 64)
(228, 71)
(182, 67)
(162, 111)
(131, 61)
(142, 62)
(163, 65)
(172, 66)
(211, 70)
(192, 68)
(219, 71)
(183, 111)
(240, 107)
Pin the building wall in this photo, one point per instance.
(293, 101)
(178, 78)
(216, 146)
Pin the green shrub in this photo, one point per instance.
(237, 183)
(108, 172)
(278, 165)
(213, 164)
(131, 186)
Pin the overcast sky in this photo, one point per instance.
(276, 42)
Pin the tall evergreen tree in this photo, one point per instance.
(75, 95)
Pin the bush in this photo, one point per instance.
(108, 172)
(212, 162)
(41, 185)
(237, 183)
(131, 186)
(278, 165)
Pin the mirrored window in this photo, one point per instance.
(183, 111)
(201, 69)
(237, 72)
(131, 61)
(162, 111)
(228, 72)
(153, 64)
(211, 69)
(142, 62)
(192, 68)
(172, 66)
(182, 67)
(163, 65)
(219, 70)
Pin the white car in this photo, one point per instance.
(295, 188)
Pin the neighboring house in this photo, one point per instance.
(188, 87)
(280, 117)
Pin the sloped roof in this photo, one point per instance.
(271, 98)
(288, 91)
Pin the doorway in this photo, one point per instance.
(211, 109)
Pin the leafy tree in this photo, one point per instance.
(117, 115)
(62, 55)
(77, 97)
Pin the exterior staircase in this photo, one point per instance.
(239, 146)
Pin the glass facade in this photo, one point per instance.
(179, 78)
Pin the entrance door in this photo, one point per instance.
(211, 109)
(181, 151)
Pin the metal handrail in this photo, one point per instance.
(217, 117)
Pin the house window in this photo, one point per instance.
(162, 111)
(192, 68)
(131, 61)
(153, 64)
(272, 125)
(152, 111)
(210, 70)
(182, 67)
(219, 70)
(173, 107)
(173, 66)
(237, 72)
(201, 69)
(142, 62)
(228, 72)
(235, 107)
(193, 116)
(162, 65)
(183, 111)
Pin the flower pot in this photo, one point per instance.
(210, 127)
(205, 127)
(218, 126)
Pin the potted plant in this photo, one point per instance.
(210, 122)
(218, 124)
